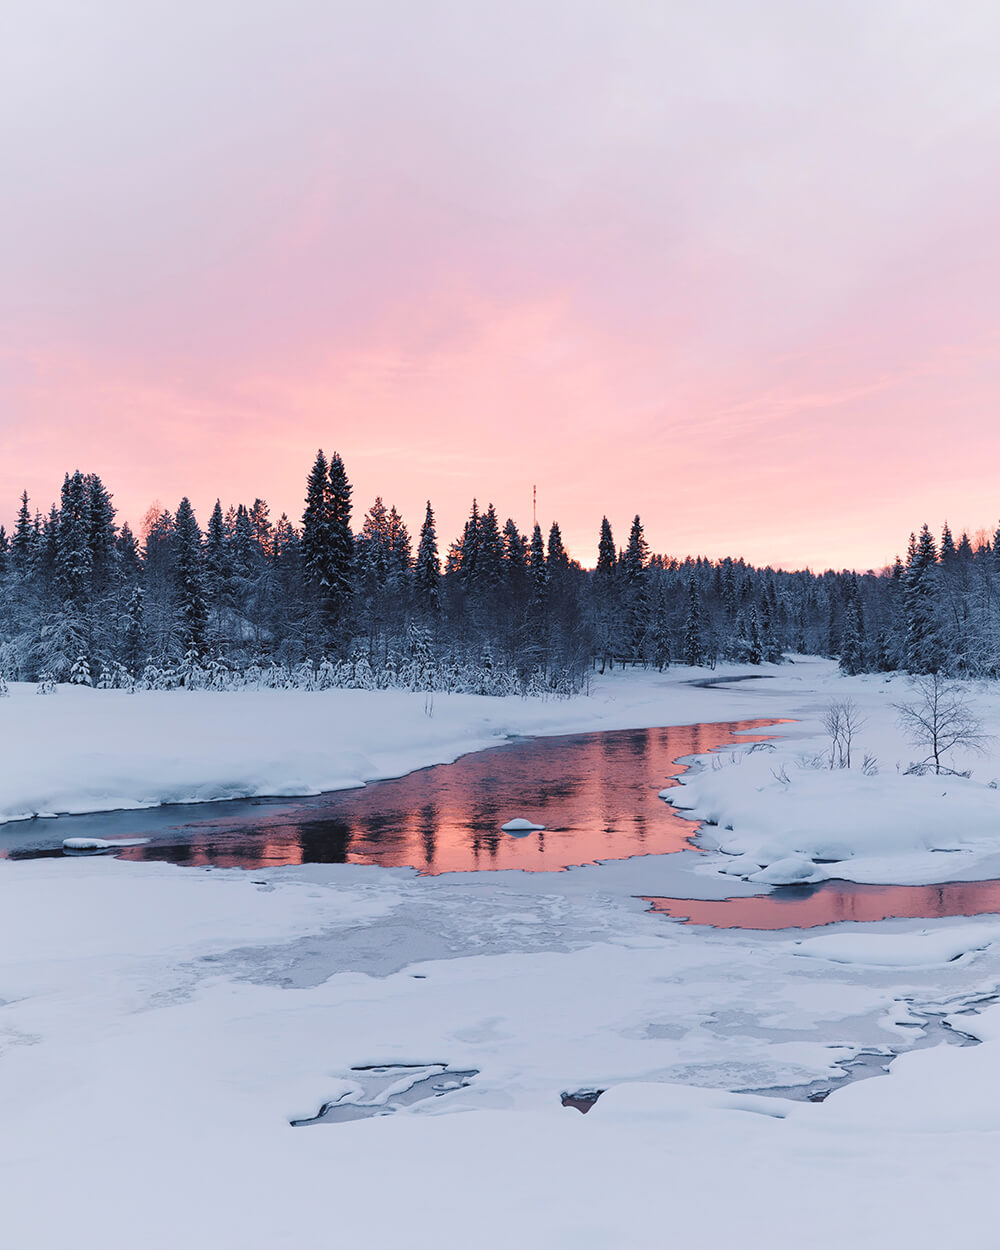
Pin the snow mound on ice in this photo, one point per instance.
(520, 825)
(788, 871)
(86, 844)
(923, 949)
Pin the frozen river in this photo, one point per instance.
(596, 794)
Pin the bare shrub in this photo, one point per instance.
(841, 721)
(940, 718)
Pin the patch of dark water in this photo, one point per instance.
(581, 1099)
(831, 902)
(596, 794)
(386, 1088)
(934, 1030)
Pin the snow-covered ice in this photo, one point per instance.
(166, 1025)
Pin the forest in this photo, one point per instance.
(324, 602)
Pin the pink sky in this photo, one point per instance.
(734, 267)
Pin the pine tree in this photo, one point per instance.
(851, 654)
(947, 545)
(427, 575)
(921, 647)
(24, 542)
(606, 558)
(217, 573)
(515, 554)
(317, 538)
(468, 553)
(101, 538)
(754, 649)
(133, 642)
(263, 532)
(341, 540)
(694, 630)
(191, 610)
(400, 550)
(557, 559)
(489, 557)
(635, 590)
(73, 556)
(537, 571)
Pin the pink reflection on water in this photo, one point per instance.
(807, 907)
(596, 794)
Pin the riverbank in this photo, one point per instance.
(160, 1028)
(782, 815)
(778, 815)
(85, 750)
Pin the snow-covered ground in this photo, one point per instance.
(160, 1027)
(84, 750)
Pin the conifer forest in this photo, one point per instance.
(331, 601)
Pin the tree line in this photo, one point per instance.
(325, 602)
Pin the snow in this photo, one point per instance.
(926, 948)
(521, 825)
(167, 1025)
(86, 750)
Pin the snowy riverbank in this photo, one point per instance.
(84, 750)
(781, 815)
(161, 1027)
(791, 818)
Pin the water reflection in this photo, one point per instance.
(808, 906)
(596, 795)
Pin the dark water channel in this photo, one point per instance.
(596, 794)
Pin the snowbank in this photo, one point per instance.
(84, 750)
(780, 815)
(170, 1024)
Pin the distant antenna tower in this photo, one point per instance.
(534, 505)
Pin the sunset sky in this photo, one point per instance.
(734, 266)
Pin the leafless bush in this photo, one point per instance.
(841, 721)
(869, 766)
(940, 718)
(781, 774)
(812, 761)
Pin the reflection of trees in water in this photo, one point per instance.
(325, 841)
(428, 832)
(596, 793)
(809, 907)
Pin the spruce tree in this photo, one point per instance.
(191, 612)
(921, 647)
(606, 558)
(557, 559)
(694, 630)
(635, 589)
(74, 559)
(427, 575)
(537, 571)
(468, 554)
(316, 528)
(23, 543)
(851, 654)
(400, 550)
(490, 553)
(341, 541)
